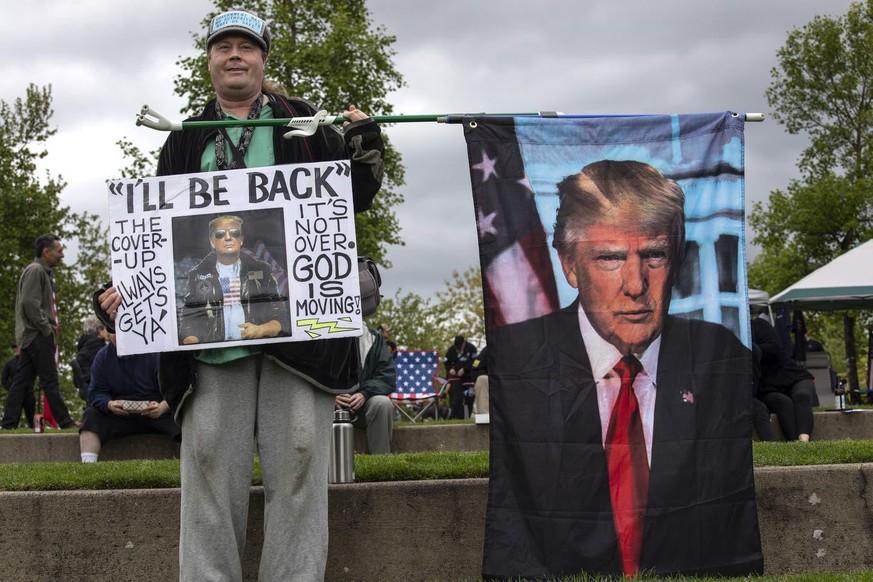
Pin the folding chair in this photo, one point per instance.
(417, 382)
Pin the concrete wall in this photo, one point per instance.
(64, 446)
(60, 447)
(812, 519)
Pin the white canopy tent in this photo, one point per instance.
(758, 297)
(844, 283)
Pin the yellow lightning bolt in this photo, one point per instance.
(331, 326)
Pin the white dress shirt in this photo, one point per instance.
(603, 357)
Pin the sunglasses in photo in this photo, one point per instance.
(234, 233)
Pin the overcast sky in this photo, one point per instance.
(106, 59)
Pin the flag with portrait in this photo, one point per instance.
(616, 303)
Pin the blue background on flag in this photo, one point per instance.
(415, 373)
(703, 153)
(550, 506)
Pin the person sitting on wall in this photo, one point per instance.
(370, 404)
(458, 363)
(124, 399)
(92, 340)
(786, 388)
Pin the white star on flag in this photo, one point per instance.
(415, 373)
(487, 166)
(486, 224)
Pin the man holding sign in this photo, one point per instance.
(279, 395)
(231, 296)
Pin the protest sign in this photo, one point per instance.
(239, 257)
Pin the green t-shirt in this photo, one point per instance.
(258, 154)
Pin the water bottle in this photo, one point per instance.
(839, 399)
(342, 448)
(840, 394)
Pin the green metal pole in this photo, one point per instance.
(441, 118)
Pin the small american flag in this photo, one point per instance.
(415, 373)
(230, 290)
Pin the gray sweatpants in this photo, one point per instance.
(235, 406)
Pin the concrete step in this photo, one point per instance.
(53, 447)
(427, 436)
(835, 425)
(59, 447)
(813, 519)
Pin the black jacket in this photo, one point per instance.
(460, 360)
(549, 508)
(480, 364)
(379, 375)
(331, 364)
(203, 312)
(776, 372)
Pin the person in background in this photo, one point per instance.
(385, 331)
(370, 405)
(9, 368)
(92, 340)
(786, 388)
(458, 364)
(760, 412)
(124, 399)
(35, 332)
(479, 374)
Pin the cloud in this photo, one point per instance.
(106, 59)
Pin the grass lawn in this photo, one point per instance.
(370, 468)
(414, 466)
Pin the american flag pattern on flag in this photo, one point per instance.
(415, 373)
(230, 290)
(517, 271)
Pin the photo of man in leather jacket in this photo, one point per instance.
(231, 296)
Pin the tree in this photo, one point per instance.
(413, 321)
(140, 163)
(459, 306)
(329, 52)
(822, 87)
(31, 207)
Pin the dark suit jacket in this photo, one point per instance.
(549, 509)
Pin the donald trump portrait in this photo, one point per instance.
(618, 428)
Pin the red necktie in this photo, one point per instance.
(628, 467)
